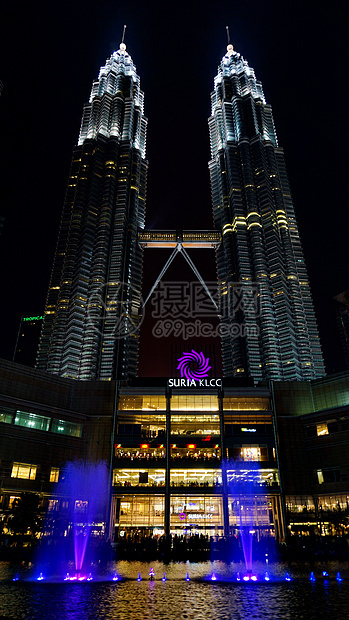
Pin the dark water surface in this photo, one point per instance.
(178, 600)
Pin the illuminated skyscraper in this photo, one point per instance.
(93, 303)
(268, 323)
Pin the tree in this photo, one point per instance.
(25, 515)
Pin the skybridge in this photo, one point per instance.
(179, 241)
(187, 238)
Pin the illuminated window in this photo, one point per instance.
(54, 474)
(6, 416)
(66, 428)
(320, 476)
(251, 454)
(195, 425)
(141, 425)
(196, 478)
(31, 420)
(322, 429)
(13, 500)
(331, 474)
(52, 505)
(195, 402)
(139, 477)
(231, 403)
(142, 511)
(205, 511)
(24, 471)
(142, 403)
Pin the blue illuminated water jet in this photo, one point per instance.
(74, 531)
(244, 485)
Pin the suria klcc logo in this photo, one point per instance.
(202, 365)
(194, 369)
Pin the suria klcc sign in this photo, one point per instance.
(194, 369)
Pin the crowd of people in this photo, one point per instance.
(192, 547)
(200, 547)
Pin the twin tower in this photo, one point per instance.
(91, 325)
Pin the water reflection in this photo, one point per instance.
(177, 599)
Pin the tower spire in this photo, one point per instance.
(230, 48)
(123, 33)
(228, 34)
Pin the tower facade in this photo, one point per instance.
(93, 303)
(268, 323)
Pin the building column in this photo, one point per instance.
(111, 513)
(168, 464)
(223, 465)
(282, 503)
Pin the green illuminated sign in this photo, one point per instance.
(33, 318)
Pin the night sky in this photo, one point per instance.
(51, 52)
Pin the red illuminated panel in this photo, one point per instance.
(144, 445)
(191, 446)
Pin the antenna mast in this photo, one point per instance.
(228, 34)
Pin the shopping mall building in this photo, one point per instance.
(184, 459)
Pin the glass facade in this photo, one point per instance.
(142, 426)
(141, 512)
(139, 477)
(241, 403)
(195, 425)
(66, 428)
(33, 421)
(142, 403)
(202, 514)
(6, 416)
(195, 402)
(247, 510)
(186, 467)
(54, 474)
(92, 318)
(196, 477)
(268, 324)
(24, 471)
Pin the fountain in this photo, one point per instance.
(68, 550)
(71, 536)
(248, 507)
